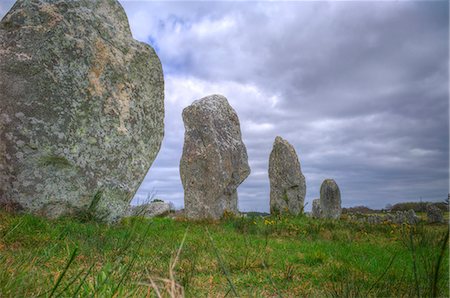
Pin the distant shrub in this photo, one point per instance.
(256, 214)
(418, 206)
(157, 200)
(358, 209)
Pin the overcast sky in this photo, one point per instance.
(360, 89)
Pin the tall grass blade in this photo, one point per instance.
(222, 265)
(174, 263)
(83, 280)
(13, 228)
(70, 283)
(124, 275)
(438, 264)
(271, 281)
(383, 274)
(72, 257)
(413, 252)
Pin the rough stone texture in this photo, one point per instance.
(287, 183)
(434, 214)
(374, 219)
(411, 217)
(316, 212)
(330, 199)
(151, 209)
(214, 161)
(81, 106)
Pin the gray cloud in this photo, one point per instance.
(359, 88)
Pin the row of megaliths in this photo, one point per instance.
(91, 121)
(214, 163)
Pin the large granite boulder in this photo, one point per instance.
(81, 107)
(434, 214)
(330, 199)
(214, 161)
(287, 183)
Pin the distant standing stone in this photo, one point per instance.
(330, 199)
(411, 217)
(316, 213)
(151, 209)
(214, 161)
(287, 183)
(434, 214)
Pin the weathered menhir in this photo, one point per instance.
(214, 161)
(81, 106)
(287, 183)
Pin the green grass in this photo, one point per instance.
(247, 257)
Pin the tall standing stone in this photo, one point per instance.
(81, 107)
(214, 161)
(287, 183)
(330, 199)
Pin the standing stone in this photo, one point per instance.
(374, 219)
(411, 217)
(434, 214)
(400, 217)
(330, 199)
(81, 107)
(287, 183)
(316, 212)
(214, 161)
(151, 209)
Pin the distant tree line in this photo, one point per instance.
(359, 209)
(416, 206)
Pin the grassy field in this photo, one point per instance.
(247, 257)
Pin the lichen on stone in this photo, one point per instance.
(78, 91)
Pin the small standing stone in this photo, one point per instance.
(434, 214)
(330, 199)
(214, 161)
(399, 217)
(151, 209)
(316, 213)
(374, 219)
(411, 217)
(287, 183)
